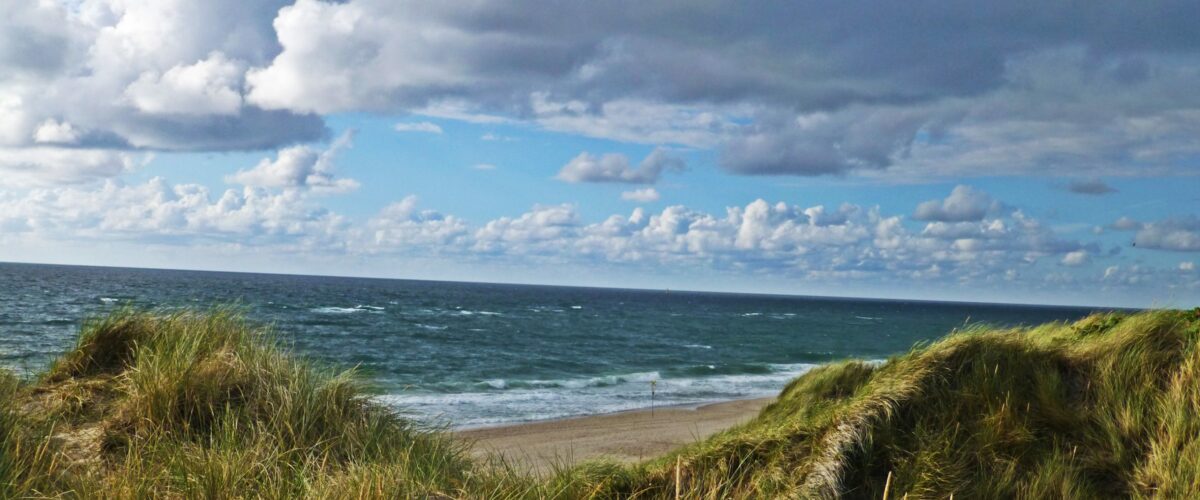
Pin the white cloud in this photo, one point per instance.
(427, 127)
(1126, 224)
(208, 87)
(644, 195)
(615, 167)
(1076, 258)
(55, 132)
(299, 167)
(1180, 234)
(530, 232)
(483, 166)
(158, 211)
(489, 136)
(851, 244)
(112, 76)
(44, 165)
(965, 204)
(1187, 266)
(400, 227)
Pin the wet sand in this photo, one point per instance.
(626, 436)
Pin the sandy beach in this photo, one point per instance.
(626, 436)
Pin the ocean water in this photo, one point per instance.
(469, 354)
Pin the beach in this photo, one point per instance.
(625, 436)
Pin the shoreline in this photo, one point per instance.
(625, 436)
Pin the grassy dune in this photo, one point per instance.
(203, 404)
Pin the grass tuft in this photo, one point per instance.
(190, 404)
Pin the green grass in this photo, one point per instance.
(204, 404)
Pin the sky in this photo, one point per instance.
(1032, 152)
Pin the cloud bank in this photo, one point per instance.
(915, 90)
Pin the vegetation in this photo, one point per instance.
(198, 404)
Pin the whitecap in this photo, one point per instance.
(108, 300)
(336, 310)
(697, 346)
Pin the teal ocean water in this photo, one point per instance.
(472, 354)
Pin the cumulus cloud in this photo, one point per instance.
(42, 166)
(1179, 234)
(775, 99)
(1091, 186)
(427, 127)
(1076, 258)
(644, 195)
(772, 98)
(1125, 224)
(112, 76)
(846, 244)
(401, 226)
(208, 87)
(965, 204)
(55, 132)
(182, 213)
(615, 167)
(299, 167)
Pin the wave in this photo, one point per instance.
(346, 310)
(466, 312)
(697, 346)
(750, 315)
(108, 300)
(869, 318)
(501, 401)
(574, 383)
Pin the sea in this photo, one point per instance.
(477, 354)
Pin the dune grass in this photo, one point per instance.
(204, 404)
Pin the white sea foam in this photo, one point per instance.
(336, 310)
(108, 300)
(500, 401)
(466, 312)
(697, 346)
(750, 315)
(347, 310)
(576, 307)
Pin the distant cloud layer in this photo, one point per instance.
(846, 244)
(914, 90)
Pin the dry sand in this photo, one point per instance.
(626, 436)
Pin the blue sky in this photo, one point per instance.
(807, 149)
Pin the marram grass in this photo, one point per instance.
(205, 405)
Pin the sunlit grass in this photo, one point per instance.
(204, 404)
